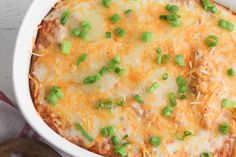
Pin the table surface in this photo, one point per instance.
(11, 15)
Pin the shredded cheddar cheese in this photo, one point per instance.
(121, 62)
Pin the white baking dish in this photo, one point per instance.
(37, 11)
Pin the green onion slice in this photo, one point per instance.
(153, 87)
(120, 32)
(106, 3)
(224, 128)
(172, 8)
(128, 12)
(212, 40)
(180, 60)
(165, 76)
(147, 36)
(155, 140)
(65, 17)
(84, 133)
(115, 18)
(181, 136)
(138, 98)
(226, 25)
(81, 59)
(66, 47)
(228, 103)
(206, 154)
(167, 111)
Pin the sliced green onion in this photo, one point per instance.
(180, 60)
(104, 132)
(165, 76)
(126, 144)
(181, 136)
(115, 18)
(212, 40)
(159, 59)
(53, 99)
(121, 151)
(115, 140)
(138, 98)
(120, 32)
(65, 17)
(224, 128)
(83, 35)
(66, 47)
(128, 12)
(86, 26)
(173, 19)
(182, 84)
(165, 58)
(155, 140)
(125, 136)
(208, 6)
(231, 72)
(226, 25)
(108, 35)
(92, 79)
(111, 130)
(81, 59)
(153, 87)
(104, 104)
(228, 103)
(55, 95)
(84, 133)
(172, 98)
(172, 8)
(102, 71)
(159, 50)
(206, 154)
(167, 111)
(147, 36)
(120, 101)
(120, 71)
(76, 32)
(113, 65)
(106, 3)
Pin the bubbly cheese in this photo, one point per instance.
(205, 69)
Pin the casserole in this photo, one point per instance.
(27, 110)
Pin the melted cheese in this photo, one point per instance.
(206, 71)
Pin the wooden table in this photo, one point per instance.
(11, 15)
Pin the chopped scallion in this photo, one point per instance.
(120, 32)
(153, 87)
(138, 98)
(165, 76)
(108, 35)
(76, 32)
(212, 40)
(65, 17)
(115, 18)
(84, 133)
(66, 47)
(228, 103)
(147, 36)
(224, 128)
(81, 59)
(155, 140)
(172, 8)
(128, 12)
(180, 60)
(226, 25)
(106, 3)
(167, 111)
(231, 72)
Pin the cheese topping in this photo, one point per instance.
(195, 52)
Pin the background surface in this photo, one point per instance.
(11, 15)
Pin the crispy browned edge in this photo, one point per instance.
(228, 150)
